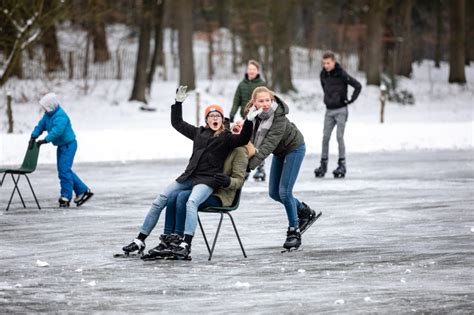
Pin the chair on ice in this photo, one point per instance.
(27, 167)
(222, 211)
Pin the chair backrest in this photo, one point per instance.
(31, 159)
(236, 202)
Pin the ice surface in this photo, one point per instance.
(396, 211)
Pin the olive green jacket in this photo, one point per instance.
(235, 166)
(282, 138)
(243, 94)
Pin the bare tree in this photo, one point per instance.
(282, 14)
(404, 55)
(158, 58)
(49, 41)
(457, 41)
(185, 44)
(140, 81)
(374, 41)
(26, 29)
(97, 30)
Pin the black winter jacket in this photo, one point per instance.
(334, 85)
(209, 151)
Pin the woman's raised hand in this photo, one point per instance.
(181, 93)
(254, 112)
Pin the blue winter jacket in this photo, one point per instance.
(58, 125)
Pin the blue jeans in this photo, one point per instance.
(68, 180)
(182, 219)
(283, 174)
(200, 191)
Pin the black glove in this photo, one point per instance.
(40, 142)
(231, 118)
(222, 180)
(30, 144)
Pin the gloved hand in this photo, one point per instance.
(40, 142)
(231, 118)
(254, 112)
(181, 93)
(30, 144)
(222, 180)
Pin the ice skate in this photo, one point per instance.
(82, 198)
(340, 171)
(322, 169)
(293, 240)
(259, 174)
(306, 217)
(135, 248)
(64, 202)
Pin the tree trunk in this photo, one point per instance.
(52, 55)
(158, 55)
(282, 14)
(97, 31)
(185, 44)
(404, 54)
(140, 81)
(457, 41)
(374, 41)
(439, 35)
(469, 32)
(245, 12)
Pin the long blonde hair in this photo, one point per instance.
(257, 90)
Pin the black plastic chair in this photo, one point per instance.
(222, 211)
(27, 167)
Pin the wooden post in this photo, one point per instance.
(198, 97)
(119, 65)
(383, 92)
(71, 65)
(9, 113)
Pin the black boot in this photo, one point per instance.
(64, 202)
(183, 250)
(306, 217)
(322, 169)
(135, 246)
(293, 239)
(340, 171)
(259, 173)
(158, 251)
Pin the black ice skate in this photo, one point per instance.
(259, 174)
(79, 200)
(340, 171)
(322, 169)
(182, 252)
(293, 240)
(135, 248)
(164, 249)
(306, 217)
(63, 202)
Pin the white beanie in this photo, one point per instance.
(49, 102)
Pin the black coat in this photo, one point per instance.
(209, 151)
(335, 84)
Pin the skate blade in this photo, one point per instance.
(128, 255)
(315, 218)
(81, 202)
(293, 249)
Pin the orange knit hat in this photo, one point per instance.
(213, 108)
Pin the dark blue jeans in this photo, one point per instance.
(176, 221)
(283, 174)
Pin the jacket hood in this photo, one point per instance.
(49, 102)
(337, 69)
(282, 109)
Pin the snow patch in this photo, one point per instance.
(40, 263)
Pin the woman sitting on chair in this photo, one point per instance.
(181, 221)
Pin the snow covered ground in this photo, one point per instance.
(109, 128)
(395, 237)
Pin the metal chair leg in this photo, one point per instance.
(215, 237)
(31, 187)
(204, 235)
(237, 234)
(15, 183)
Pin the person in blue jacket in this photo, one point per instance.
(58, 125)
